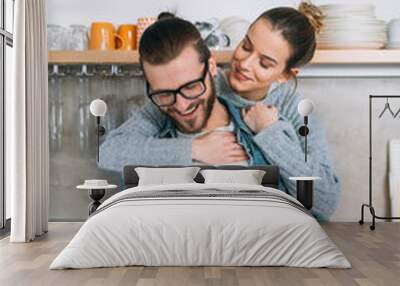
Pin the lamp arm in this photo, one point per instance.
(98, 137)
(305, 138)
(100, 131)
(305, 148)
(303, 131)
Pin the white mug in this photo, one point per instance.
(56, 38)
(78, 38)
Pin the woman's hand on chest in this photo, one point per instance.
(260, 116)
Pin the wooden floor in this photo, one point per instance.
(374, 255)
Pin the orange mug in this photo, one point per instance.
(104, 37)
(128, 34)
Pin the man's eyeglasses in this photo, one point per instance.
(191, 90)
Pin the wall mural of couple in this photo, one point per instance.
(247, 115)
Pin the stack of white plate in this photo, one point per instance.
(394, 176)
(351, 27)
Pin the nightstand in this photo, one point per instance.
(304, 190)
(96, 192)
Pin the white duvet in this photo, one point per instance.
(207, 230)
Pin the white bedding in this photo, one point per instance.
(207, 230)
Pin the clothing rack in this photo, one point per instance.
(370, 204)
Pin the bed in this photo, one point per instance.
(201, 224)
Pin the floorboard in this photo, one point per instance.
(374, 255)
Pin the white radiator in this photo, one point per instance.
(394, 176)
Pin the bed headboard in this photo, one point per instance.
(271, 177)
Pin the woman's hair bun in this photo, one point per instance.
(313, 14)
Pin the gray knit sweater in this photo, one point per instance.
(136, 142)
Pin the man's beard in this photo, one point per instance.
(207, 104)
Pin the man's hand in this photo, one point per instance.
(259, 116)
(218, 147)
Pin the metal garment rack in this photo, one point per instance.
(370, 205)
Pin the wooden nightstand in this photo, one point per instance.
(304, 190)
(96, 193)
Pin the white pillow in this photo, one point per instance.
(163, 176)
(248, 177)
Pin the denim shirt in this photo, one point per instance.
(244, 135)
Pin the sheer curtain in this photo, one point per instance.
(27, 155)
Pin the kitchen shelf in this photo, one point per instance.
(110, 57)
(321, 57)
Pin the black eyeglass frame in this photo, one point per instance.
(201, 79)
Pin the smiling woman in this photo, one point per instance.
(279, 42)
(254, 65)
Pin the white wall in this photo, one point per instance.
(66, 12)
(342, 107)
